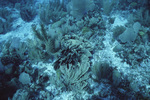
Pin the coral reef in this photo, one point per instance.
(141, 15)
(78, 9)
(74, 63)
(27, 13)
(51, 12)
(74, 50)
(130, 34)
(48, 44)
(6, 20)
(102, 70)
(108, 5)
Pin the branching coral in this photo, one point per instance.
(75, 77)
(142, 15)
(13, 52)
(78, 9)
(73, 49)
(5, 20)
(28, 12)
(48, 43)
(73, 63)
(51, 12)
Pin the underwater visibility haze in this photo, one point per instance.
(74, 49)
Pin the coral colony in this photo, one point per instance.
(74, 50)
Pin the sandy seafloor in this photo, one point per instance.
(140, 74)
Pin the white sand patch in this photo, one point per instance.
(119, 21)
(65, 96)
(20, 29)
(109, 55)
(138, 75)
(49, 67)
